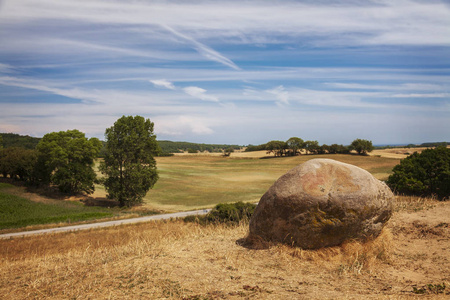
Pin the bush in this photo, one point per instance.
(228, 213)
(424, 174)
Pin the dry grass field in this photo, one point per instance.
(177, 260)
(186, 182)
(190, 182)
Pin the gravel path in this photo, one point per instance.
(105, 224)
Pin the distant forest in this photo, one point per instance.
(20, 141)
(28, 142)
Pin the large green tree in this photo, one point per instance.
(18, 163)
(129, 163)
(295, 144)
(277, 147)
(424, 174)
(66, 159)
(312, 147)
(362, 146)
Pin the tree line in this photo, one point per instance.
(15, 140)
(295, 146)
(65, 159)
(174, 147)
(10, 140)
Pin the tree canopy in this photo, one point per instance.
(295, 144)
(20, 141)
(129, 163)
(424, 174)
(312, 146)
(277, 147)
(66, 159)
(18, 163)
(362, 146)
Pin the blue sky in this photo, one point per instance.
(236, 72)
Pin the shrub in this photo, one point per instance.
(424, 174)
(231, 212)
(228, 213)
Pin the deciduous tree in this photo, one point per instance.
(66, 159)
(277, 147)
(129, 163)
(18, 162)
(295, 144)
(362, 146)
(312, 146)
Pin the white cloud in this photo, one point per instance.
(104, 52)
(5, 68)
(199, 93)
(281, 94)
(355, 22)
(163, 83)
(204, 50)
(393, 87)
(178, 126)
(417, 95)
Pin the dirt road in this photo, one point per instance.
(105, 224)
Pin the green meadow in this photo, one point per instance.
(16, 212)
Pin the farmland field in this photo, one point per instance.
(191, 182)
(186, 183)
(177, 260)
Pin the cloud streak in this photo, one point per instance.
(199, 93)
(204, 50)
(280, 94)
(217, 71)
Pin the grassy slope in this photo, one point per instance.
(18, 212)
(189, 182)
(186, 183)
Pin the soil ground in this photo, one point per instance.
(177, 260)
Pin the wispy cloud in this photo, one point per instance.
(405, 22)
(199, 93)
(195, 66)
(280, 94)
(415, 95)
(204, 50)
(163, 83)
(179, 125)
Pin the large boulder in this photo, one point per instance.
(322, 203)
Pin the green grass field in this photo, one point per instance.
(190, 182)
(18, 212)
(186, 183)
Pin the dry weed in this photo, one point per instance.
(352, 257)
(177, 260)
(414, 203)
